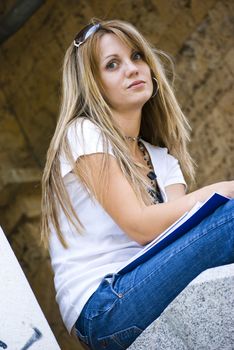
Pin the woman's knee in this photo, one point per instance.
(225, 211)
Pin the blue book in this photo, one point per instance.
(185, 223)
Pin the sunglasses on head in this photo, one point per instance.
(85, 33)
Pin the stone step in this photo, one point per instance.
(200, 318)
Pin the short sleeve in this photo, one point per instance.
(84, 138)
(174, 174)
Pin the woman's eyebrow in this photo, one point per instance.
(112, 55)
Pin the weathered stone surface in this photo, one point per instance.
(199, 35)
(201, 317)
(34, 260)
(19, 307)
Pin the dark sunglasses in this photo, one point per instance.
(85, 33)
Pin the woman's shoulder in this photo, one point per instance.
(83, 133)
(81, 126)
(84, 137)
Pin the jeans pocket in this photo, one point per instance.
(121, 339)
(80, 336)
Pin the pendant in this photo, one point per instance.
(151, 175)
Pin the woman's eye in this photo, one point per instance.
(111, 65)
(137, 56)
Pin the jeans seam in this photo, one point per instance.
(204, 232)
(223, 220)
(101, 312)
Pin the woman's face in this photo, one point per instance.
(125, 76)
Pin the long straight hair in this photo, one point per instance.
(163, 124)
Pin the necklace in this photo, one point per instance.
(133, 138)
(153, 190)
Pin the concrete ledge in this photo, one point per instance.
(22, 322)
(201, 317)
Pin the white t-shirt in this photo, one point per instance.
(104, 247)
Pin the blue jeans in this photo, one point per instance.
(124, 305)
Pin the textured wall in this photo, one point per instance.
(198, 34)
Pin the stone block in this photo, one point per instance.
(22, 322)
(201, 317)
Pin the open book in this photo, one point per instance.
(185, 223)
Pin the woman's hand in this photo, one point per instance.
(225, 188)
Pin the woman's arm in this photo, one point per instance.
(175, 191)
(143, 223)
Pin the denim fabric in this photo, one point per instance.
(123, 306)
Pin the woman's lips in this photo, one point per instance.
(137, 83)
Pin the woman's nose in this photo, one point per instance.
(130, 68)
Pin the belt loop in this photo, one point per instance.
(111, 282)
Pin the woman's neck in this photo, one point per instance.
(129, 123)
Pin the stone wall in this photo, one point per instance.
(197, 34)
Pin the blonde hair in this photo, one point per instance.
(163, 124)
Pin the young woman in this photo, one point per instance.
(113, 182)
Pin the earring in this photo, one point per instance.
(157, 87)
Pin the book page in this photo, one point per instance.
(171, 228)
(214, 201)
